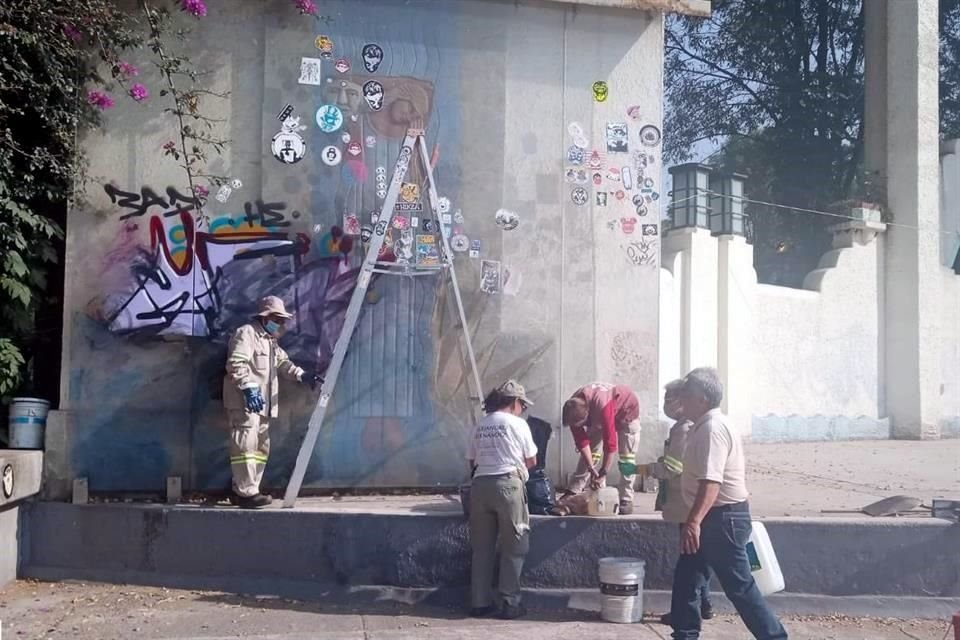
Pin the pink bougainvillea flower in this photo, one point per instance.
(306, 7)
(196, 8)
(72, 32)
(127, 69)
(99, 100)
(139, 92)
(201, 192)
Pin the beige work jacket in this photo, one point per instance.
(253, 360)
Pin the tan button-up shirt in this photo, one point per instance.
(253, 361)
(714, 452)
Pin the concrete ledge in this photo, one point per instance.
(21, 472)
(154, 543)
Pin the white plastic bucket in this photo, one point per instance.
(763, 561)
(621, 589)
(28, 419)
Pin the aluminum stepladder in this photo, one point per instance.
(414, 146)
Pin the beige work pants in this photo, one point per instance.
(249, 449)
(498, 518)
(628, 441)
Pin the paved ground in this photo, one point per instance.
(793, 479)
(106, 612)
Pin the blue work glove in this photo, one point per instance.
(312, 379)
(254, 399)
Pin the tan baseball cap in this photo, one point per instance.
(513, 389)
(272, 306)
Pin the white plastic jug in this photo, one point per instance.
(603, 502)
(763, 561)
(621, 588)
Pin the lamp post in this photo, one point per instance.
(727, 206)
(690, 204)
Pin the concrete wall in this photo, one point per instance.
(497, 84)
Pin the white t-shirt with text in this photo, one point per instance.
(500, 443)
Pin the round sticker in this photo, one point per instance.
(370, 141)
(443, 205)
(236, 183)
(459, 243)
(342, 65)
(579, 196)
(345, 137)
(331, 156)
(381, 171)
(329, 118)
(507, 220)
(7, 480)
(581, 141)
(288, 147)
(648, 183)
(620, 194)
(650, 135)
(381, 193)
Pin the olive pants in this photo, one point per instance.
(498, 519)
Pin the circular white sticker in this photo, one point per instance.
(443, 204)
(459, 243)
(331, 156)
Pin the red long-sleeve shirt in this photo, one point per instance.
(609, 408)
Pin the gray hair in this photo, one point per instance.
(674, 386)
(705, 381)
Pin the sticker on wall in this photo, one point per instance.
(575, 155)
(458, 216)
(474, 248)
(446, 219)
(381, 171)
(400, 222)
(575, 129)
(429, 226)
(628, 225)
(617, 137)
(325, 45)
(381, 193)
(345, 137)
(288, 146)
(366, 232)
(596, 160)
(443, 204)
(236, 183)
(601, 198)
(370, 141)
(633, 112)
(600, 91)
(597, 178)
(223, 193)
(576, 176)
(414, 222)
(654, 196)
(613, 224)
(351, 224)
(460, 243)
(506, 219)
(354, 148)
(650, 135)
(490, 276)
(649, 230)
(329, 118)
(342, 65)
(372, 57)
(626, 175)
(613, 174)
(7, 480)
(579, 196)
(410, 192)
(648, 183)
(373, 94)
(331, 156)
(620, 195)
(310, 71)
(428, 253)
(285, 113)
(642, 210)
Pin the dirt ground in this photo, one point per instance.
(106, 612)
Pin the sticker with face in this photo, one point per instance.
(381, 171)
(600, 91)
(381, 193)
(597, 178)
(650, 135)
(354, 149)
(637, 200)
(410, 192)
(506, 219)
(460, 243)
(223, 193)
(330, 156)
(576, 176)
(345, 137)
(370, 141)
(628, 225)
(649, 230)
(575, 155)
(342, 65)
(329, 118)
(372, 57)
(429, 226)
(373, 94)
(288, 146)
(642, 210)
(236, 183)
(310, 71)
(601, 198)
(617, 137)
(351, 224)
(325, 45)
(366, 232)
(579, 196)
(595, 161)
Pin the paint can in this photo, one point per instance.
(27, 422)
(621, 588)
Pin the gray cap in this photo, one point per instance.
(513, 389)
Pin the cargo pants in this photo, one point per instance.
(249, 449)
(628, 441)
(498, 519)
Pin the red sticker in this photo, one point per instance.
(621, 195)
(354, 148)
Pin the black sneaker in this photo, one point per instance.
(254, 502)
(706, 611)
(512, 611)
(666, 620)
(482, 612)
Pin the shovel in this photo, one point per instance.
(892, 506)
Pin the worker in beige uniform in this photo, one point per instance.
(251, 396)
(500, 450)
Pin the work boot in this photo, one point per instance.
(482, 612)
(666, 620)
(254, 502)
(626, 508)
(512, 611)
(706, 611)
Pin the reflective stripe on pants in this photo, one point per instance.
(249, 450)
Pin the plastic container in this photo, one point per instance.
(763, 561)
(603, 502)
(27, 422)
(621, 589)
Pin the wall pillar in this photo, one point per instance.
(902, 143)
(697, 284)
(736, 304)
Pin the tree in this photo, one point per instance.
(778, 85)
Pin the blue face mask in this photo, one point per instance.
(272, 327)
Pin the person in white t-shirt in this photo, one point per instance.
(500, 450)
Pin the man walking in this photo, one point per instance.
(716, 530)
(604, 421)
(251, 394)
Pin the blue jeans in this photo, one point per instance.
(723, 538)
